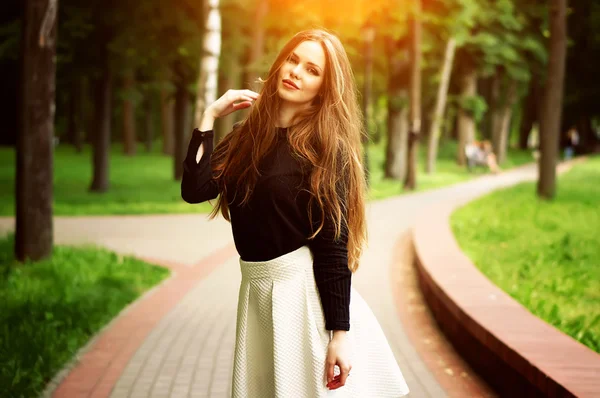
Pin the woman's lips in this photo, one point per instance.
(290, 84)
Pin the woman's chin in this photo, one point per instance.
(286, 95)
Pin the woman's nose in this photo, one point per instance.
(295, 72)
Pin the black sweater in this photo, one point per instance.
(275, 221)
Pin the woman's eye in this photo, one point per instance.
(313, 71)
(292, 60)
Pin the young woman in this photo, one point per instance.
(290, 180)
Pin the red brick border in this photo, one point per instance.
(454, 375)
(516, 352)
(99, 368)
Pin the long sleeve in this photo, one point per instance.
(197, 184)
(333, 278)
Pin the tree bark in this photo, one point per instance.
(495, 107)
(397, 110)
(484, 89)
(466, 121)
(166, 120)
(397, 141)
(34, 174)
(209, 62)
(440, 107)
(588, 141)
(366, 103)
(552, 101)
(182, 105)
(530, 114)
(102, 130)
(227, 80)
(81, 127)
(74, 118)
(148, 121)
(505, 117)
(410, 183)
(257, 48)
(129, 133)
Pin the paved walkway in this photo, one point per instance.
(188, 351)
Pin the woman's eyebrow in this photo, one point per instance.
(310, 63)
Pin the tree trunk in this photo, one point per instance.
(440, 107)
(257, 46)
(227, 80)
(129, 134)
(495, 109)
(453, 123)
(251, 57)
(74, 123)
(410, 183)
(88, 114)
(34, 174)
(588, 141)
(552, 100)
(484, 89)
(397, 141)
(505, 117)
(466, 121)
(166, 120)
(209, 62)
(366, 103)
(182, 106)
(80, 114)
(148, 122)
(102, 130)
(397, 110)
(530, 114)
(75, 129)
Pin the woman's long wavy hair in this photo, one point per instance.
(327, 135)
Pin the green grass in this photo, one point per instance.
(545, 254)
(447, 171)
(51, 308)
(144, 184)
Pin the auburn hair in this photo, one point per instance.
(327, 135)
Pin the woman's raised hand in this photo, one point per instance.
(231, 101)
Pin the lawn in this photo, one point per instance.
(545, 254)
(447, 171)
(51, 308)
(143, 184)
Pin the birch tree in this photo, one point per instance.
(209, 62)
(440, 106)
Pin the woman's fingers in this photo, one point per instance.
(250, 93)
(234, 100)
(335, 383)
(245, 98)
(344, 375)
(329, 369)
(242, 105)
(339, 380)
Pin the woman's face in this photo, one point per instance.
(301, 75)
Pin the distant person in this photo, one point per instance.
(481, 154)
(290, 179)
(572, 142)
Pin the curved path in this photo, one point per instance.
(183, 347)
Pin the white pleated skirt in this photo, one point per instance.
(281, 340)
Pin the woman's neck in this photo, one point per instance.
(286, 114)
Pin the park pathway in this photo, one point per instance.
(188, 352)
